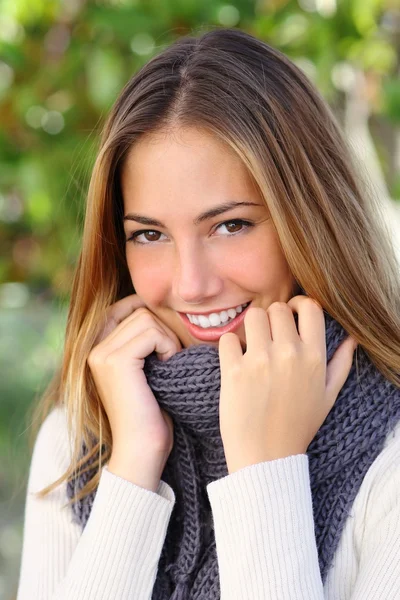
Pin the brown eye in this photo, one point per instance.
(151, 236)
(233, 226)
(145, 237)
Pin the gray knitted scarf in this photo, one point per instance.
(187, 386)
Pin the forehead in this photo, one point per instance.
(186, 166)
(181, 141)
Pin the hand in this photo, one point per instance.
(275, 396)
(142, 432)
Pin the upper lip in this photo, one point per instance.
(215, 310)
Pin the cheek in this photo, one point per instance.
(260, 265)
(150, 277)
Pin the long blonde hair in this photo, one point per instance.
(256, 100)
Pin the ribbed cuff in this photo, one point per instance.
(119, 550)
(164, 490)
(264, 531)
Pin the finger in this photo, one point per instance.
(122, 325)
(119, 326)
(159, 320)
(311, 322)
(229, 349)
(338, 368)
(282, 323)
(117, 312)
(151, 318)
(108, 346)
(121, 309)
(150, 340)
(133, 326)
(126, 324)
(257, 328)
(135, 323)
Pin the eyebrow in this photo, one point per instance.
(208, 214)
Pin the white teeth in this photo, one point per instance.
(224, 316)
(203, 321)
(216, 319)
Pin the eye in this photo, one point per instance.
(235, 226)
(150, 233)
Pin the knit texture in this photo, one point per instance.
(187, 386)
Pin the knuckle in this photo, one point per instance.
(142, 311)
(146, 317)
(113, 359)
(94, 357)
(288, 352)
(149, 320)
(315, 358)
(153, 331)
(313, 302)
(261, 360)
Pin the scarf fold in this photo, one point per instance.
(187, 386)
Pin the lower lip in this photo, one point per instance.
(213, 333)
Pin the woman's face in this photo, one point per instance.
(185, 258)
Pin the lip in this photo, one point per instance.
(213, 333)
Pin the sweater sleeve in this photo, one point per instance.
(378, 531)
(264, 533)
(118, 552)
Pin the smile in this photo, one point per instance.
(217, 319)
(210, 328)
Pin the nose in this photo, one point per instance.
(197, 278)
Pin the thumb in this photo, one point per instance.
(338, 368)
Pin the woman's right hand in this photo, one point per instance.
(142, 432)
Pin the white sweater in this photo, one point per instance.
(263, 525)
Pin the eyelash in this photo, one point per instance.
(133, 237)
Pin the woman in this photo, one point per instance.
(213, 433)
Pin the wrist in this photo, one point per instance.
(237, 462)
(144, 472)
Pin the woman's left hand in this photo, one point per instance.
(275, 396)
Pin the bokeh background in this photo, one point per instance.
(62, 64)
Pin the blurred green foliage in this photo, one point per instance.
(62, 64)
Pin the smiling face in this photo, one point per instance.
(182, 260)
